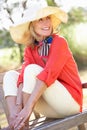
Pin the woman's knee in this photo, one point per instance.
(10, 75)
(30, 77)
(33, 69)
(10, 83)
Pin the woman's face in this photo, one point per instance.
(43, 26)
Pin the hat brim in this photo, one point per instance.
(20, 33)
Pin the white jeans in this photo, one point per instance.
(55, 102)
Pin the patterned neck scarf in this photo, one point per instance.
(45, 45)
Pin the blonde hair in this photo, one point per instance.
(32, 36)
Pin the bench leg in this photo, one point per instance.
(81, 127)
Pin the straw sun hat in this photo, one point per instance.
(20, 32)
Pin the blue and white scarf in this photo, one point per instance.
(45, 45)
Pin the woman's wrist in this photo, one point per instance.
(19, 101)
(19, 106)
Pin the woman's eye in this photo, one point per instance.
(41, 19)
(48, 17)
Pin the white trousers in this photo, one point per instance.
(55, 102)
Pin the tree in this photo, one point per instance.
(6, 20)
(9, 14)
(77, 15)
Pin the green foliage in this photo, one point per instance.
(77, 15)
(7, 42)
(67, 31)
(51, 2)
(5, 39)
(9, 58)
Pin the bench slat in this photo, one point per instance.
(66, 123)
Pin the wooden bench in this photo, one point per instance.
(43, 123)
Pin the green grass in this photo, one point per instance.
(9, 58)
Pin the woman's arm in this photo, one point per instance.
(19, 100)
(27, 110)
(37, 92)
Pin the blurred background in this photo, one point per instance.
(75, 31)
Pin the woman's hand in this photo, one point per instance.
(13, 116)
(21, 118)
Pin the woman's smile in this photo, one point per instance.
(43, 27)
